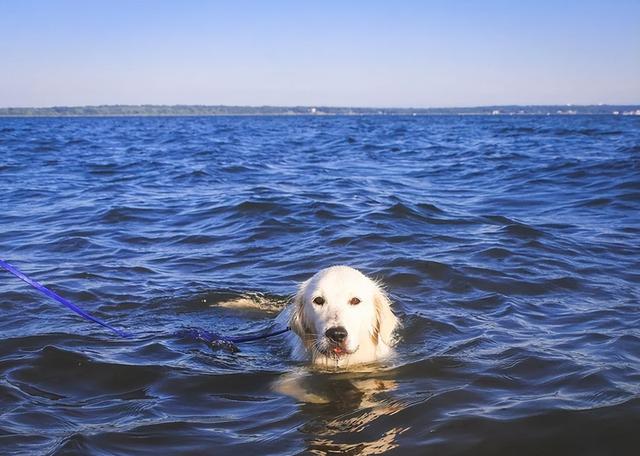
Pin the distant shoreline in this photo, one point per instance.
(222, 110)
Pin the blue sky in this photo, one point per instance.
(339, 53)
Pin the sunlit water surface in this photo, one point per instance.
(510, 247)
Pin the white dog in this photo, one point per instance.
(340, 317)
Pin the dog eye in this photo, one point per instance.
(318, 300)
(354, 301)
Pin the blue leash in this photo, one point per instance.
(212, 339)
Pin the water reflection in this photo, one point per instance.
(337, 407)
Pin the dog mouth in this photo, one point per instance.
(337, 351)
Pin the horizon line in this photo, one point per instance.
(311, 106)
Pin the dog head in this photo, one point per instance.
(341, 314)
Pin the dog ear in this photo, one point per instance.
(386, 321)
(297, 320)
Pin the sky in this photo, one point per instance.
(428, 53)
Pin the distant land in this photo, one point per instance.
(220, 110)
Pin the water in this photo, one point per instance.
(510, 247)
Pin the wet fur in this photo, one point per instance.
(375, 339)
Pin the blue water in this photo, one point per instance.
(510, 247)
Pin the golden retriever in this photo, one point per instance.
(340, 317)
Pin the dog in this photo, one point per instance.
(340, 317)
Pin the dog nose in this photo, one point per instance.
(336, 334)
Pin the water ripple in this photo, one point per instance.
(509, 247)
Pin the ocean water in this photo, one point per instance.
(510, 247)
